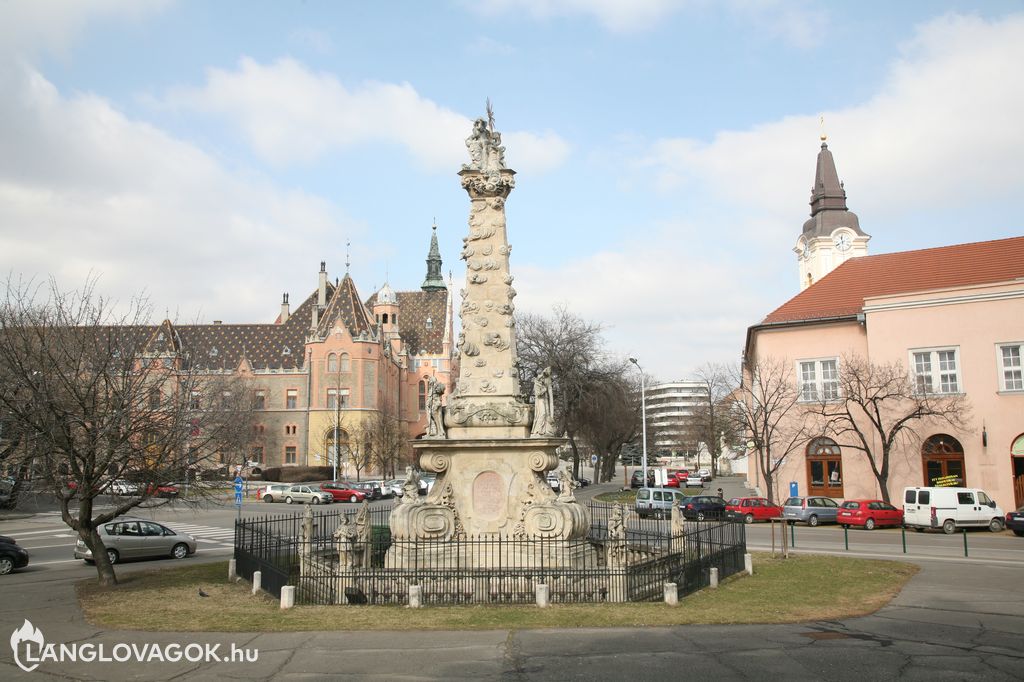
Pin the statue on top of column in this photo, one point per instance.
(484, 144)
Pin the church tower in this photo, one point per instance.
(434, 280)
(832, 234)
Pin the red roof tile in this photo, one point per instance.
(842, 292)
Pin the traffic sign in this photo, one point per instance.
(593, 460)
(238, 498)
(238, 485)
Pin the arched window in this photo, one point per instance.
(385, 318)
(942, 461)
(344, 363)
(332, 363)
(336, 446)
(824, 468)
(423, 395)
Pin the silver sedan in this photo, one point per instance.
(306, 493)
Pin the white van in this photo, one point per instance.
(950, 508)
(657, 502)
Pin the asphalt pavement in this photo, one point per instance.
(958, 619)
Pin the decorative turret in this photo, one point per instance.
(434, 281)
(832, 234)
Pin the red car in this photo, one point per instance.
(869, 513)
(342, 492)
(162, 490)
(753, 509)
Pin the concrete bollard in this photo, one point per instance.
(287, 596)
(232, 570)
(415, 596)
(748, 564)
(543, 595)
(714, 578)
(257, 581)
(671, 594)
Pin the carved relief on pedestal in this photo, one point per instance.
(489, 495)
(464, 413)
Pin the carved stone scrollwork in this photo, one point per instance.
(491, 183)
(480, 362)
(481, 321)
(541, 461)
(462, 413)
(511, 293)
(487, 387)
(477, 278)
(496, 340)
(508, 279)
(435, 461)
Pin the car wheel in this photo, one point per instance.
(996, 526)
(1019, 533)
(113, 556)
(948, 527)
(749, 518)
(268, 498)
(812, 520)
(316, 500)
(288, 500)
(869, 524)
(845, 525)
(180, 551)
(353, 499)
(700, 516)
(918, 530)
(6, 565)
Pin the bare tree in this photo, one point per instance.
(711, 422)
(876, 407)
(100, 396)
(574, 350)
(609, 419)
(387, 439)
(766, 408)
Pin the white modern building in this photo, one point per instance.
(670, 407)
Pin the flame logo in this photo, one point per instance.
(26, 633)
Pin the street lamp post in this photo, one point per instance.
(643, 414)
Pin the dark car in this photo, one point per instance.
(372, 491)
(1015, 521)
(11, 556)
(701, 507)
(637, 480)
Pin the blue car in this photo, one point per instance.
(702, 507)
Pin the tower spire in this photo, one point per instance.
(434, 280)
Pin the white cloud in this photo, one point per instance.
(291, 114)
(84, 189)
(29, 25)
(614, 15)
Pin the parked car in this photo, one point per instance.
(427, 483)
(367, 488)
(750, 509)
(869, 514)
(694, 480)
(383, 487)
(1015, 521)
(554, 481)
(395, 484)
(123, 487)
(11, 555)
(307, 494)
(672, 482)
(162, 490)
(702, 507)
(129, 538)
(705, 475)
(584, 482)
(950, 508)
(637, 479)
(273, 492)
(656, 502)
(811, 510)
(343, 492)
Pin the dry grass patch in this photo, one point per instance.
(168, 600)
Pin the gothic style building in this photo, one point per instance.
(832, 235)
(320, 374)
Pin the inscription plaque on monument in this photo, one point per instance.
(489, 495)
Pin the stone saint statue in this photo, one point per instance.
(477, 144)
(435, 417)
(566, 483)
(617, 524)
(411, 487)
(544, 406)
(344, 537)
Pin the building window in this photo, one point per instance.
(256, 454)
(154, 398)
(429, 324)
(819, 380)
(291, 398)
(936, 371)
(333, 395)
(344, 362)
(289, 429)
(194, 401)
(291, 454)
(258, 429)
(385, 318)
(943, 461)
(423, 396)
(394, 318)
(824, 468)
(332, 363)
(1010, 368)
(259, 401)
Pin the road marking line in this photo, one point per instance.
(30, 532)
(47, 546)
(46, 563)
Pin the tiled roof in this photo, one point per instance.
(842, 292)
(347, 307)
(416, 307)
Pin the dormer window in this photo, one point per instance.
(213, 352)
(429, 324)
(286, 351)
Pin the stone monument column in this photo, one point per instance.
(490, 456)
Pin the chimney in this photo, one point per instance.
(316, 319)
(321, 298)
(218, 321)
(285, 311)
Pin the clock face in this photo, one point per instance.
(843, 241)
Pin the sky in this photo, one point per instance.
(210, 154)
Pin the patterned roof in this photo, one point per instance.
(416, 307)
(346, 306)
(841, 293)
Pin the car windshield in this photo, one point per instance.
(851, 505)
(794, 502)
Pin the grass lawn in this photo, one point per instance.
(168, 600)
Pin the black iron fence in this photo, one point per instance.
(379, 569)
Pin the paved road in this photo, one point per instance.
(959, 619)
